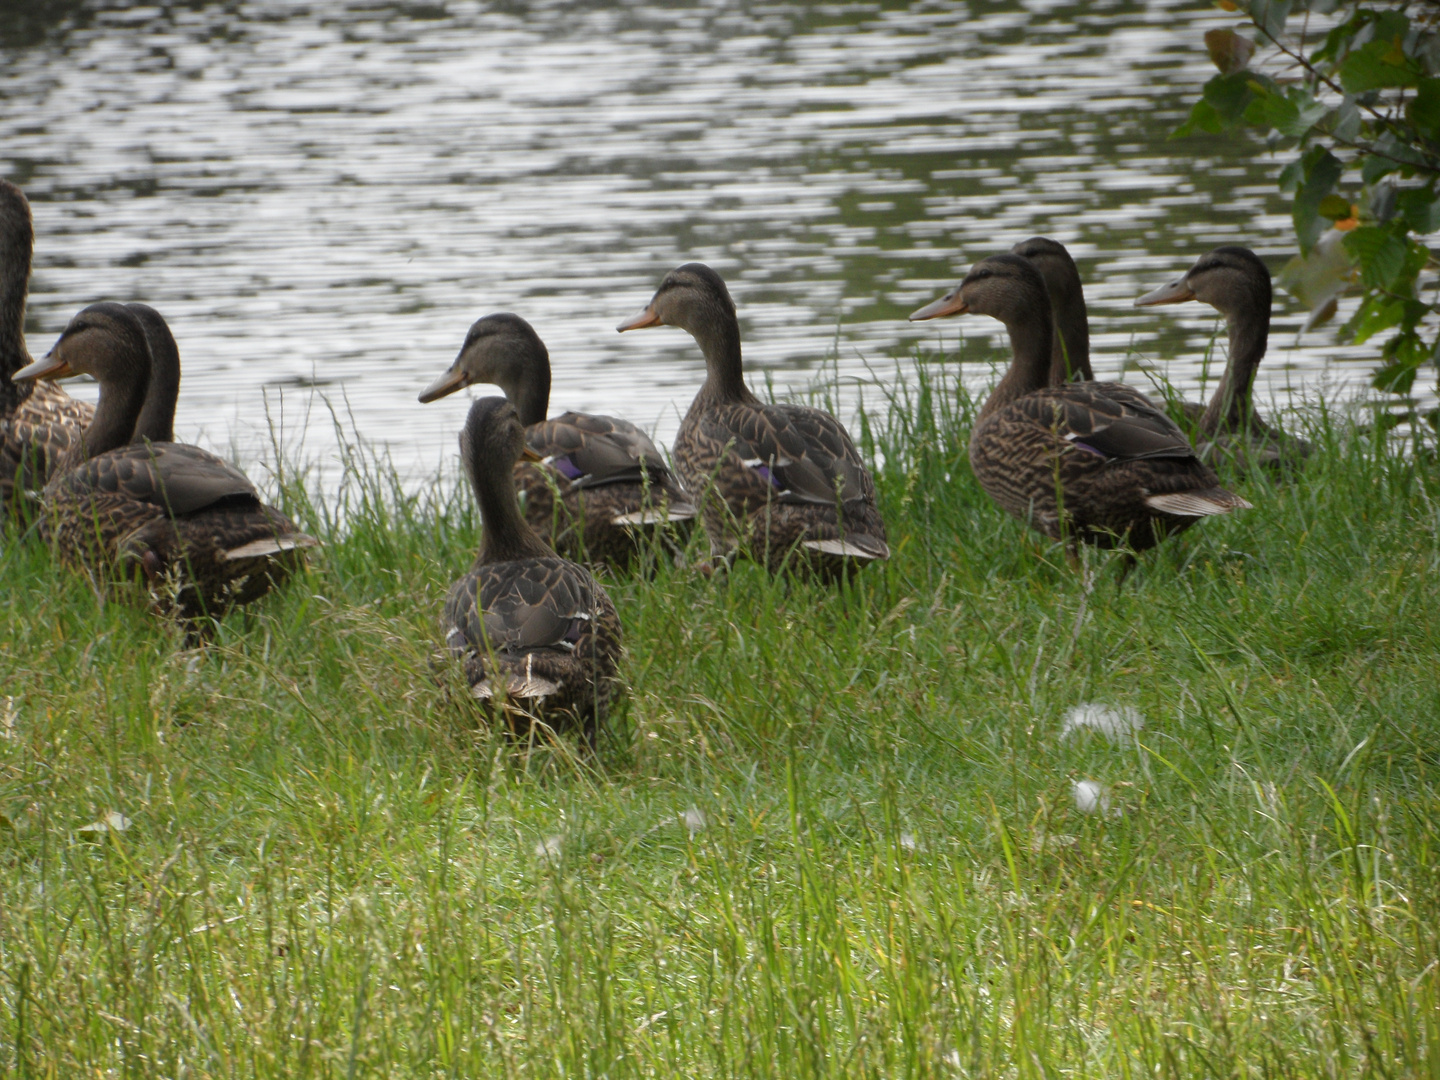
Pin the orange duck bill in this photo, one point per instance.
(49, 366)
(645, 317)
(454, 379)
(952, 303)
(1176, 292)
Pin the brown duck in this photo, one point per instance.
(532, 629)
(611, 480)
(1235, 282)
(1070, 343)
(39, 423)
(1123, 472)
(186, 522)
(783, 482)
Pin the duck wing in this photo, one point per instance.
(181, 478)
(1112, 420)
(591, 451)
(803, 453)
(522, 605)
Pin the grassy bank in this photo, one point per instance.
(829, 833)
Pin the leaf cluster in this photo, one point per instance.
(1357, 104)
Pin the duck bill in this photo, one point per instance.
(646, 317)
(530, 455)
(445, 385)
(49, 366)
(949, 304)
(1175, 293)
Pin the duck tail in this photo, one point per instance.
(1201, 502)
(269, 547)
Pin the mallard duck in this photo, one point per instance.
(1235, 282)
(38, 424)
(1121, 469)
(612, 481)
(777, 478)
(187, 522)
(1070, 343)
(530, 627)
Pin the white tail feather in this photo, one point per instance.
(516, 686)
(652, 517)
(1194, 504)
(277, 545)
(844, 548)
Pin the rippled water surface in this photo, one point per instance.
(322, 199)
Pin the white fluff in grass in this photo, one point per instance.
(908, 841)
(693, 819)
(110, 821)
(1118, 723)
(549, 849)
(1091, 797)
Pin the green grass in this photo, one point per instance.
(334, 868)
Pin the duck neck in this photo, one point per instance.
(531, 396)
(1232, 406)
(1070, 338)
(114, 420)
(1030, 345)
(718, 336)
(506, 536)
(14, 281)
(156, 422)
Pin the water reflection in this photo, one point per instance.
(322, 199)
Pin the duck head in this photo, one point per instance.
(691, 297)
(1006, 287)
(104, 340)
(1230, 279)
(505, 351)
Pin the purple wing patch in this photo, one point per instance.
(1086, 447)
(566, 468)
(764, 471)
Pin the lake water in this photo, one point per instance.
(321, 199)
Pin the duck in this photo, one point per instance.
(600, 483)
(783, 483)
(1070, 343)
(535, 632)
(187, 523)
(38, 423)
(1236, 282)
(1091, 462)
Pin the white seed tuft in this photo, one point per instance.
(1118, 723)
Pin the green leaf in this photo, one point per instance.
(1270, 15)
(1291, 176)
(1396, 378)
(1334, 207)
(1379, 253)
(1424, 108)
(1377, 165)
(1419, 208)
(1228, 50)
(1291, 112)
(1382, 61)
(1345, 121)
(1223, 105)
(1317, 279)
(1322, 170)
(1377, 312)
